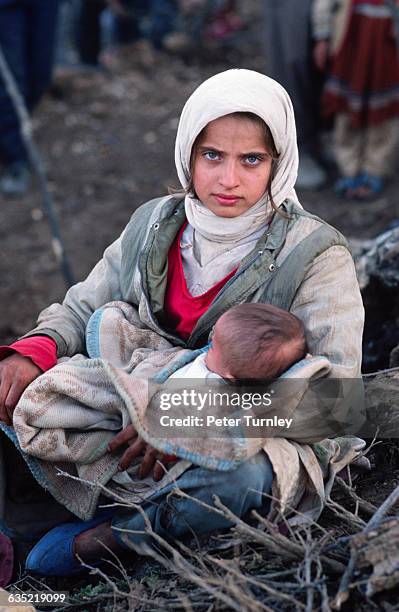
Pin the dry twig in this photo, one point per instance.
(260, 585)
(344, 587)
(354, 522)
(364, 505)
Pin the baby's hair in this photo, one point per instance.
(260, 341)
(270, 146)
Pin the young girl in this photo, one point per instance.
(237, 234)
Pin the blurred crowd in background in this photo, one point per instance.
(338, 59)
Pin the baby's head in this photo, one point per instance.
(256, 341)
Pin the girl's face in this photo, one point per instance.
(232, 165)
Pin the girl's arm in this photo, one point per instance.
(321, 25)
(66, 322)
(330, 305)
(321, 19)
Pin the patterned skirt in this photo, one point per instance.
(364, 74)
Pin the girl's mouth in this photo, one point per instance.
(226, 200)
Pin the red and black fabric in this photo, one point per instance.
(364, 73)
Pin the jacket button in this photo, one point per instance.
(272, 267)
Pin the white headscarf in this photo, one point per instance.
(238, 90)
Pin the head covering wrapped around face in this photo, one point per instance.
(238, 90)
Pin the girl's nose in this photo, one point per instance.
(229, 177)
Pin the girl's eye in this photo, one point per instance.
(253, 160)
(211, 155)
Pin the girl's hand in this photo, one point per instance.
(320, 54)
(16, 373)
(136, 447)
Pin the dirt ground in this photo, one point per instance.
(107, 142)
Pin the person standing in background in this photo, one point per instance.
(89, 31)
(288, 48)
(356, 45)
(27, 38)
(131, 21)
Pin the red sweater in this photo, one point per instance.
(182, 310)
(42, 350)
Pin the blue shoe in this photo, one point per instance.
(374, 184)
(346, 186)
(53, 554)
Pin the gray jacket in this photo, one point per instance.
(301, 264)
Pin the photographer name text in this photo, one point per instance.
(213, 421)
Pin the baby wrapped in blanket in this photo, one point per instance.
(249, 342)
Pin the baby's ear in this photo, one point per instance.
(210, 336)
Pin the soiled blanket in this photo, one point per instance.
(67, 417)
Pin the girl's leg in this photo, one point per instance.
(170, 516)
(380, 146)
(380, 143)
(348, 146)
(175, 517)
(348, 149)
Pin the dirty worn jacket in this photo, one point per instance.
(301, 264)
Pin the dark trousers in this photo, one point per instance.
(164, 14)
(89, 30)
(159, 17)
(27, 36)
(152, 19)
(288, 49)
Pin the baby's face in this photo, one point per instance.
(214, 358)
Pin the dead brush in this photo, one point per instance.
(258, 566)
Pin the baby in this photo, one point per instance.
(250, 341)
